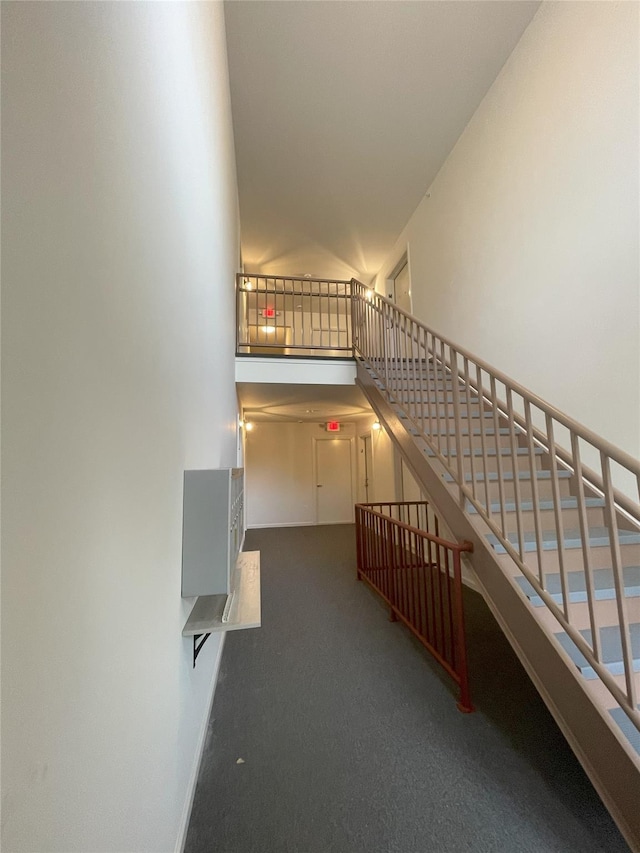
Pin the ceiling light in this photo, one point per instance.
(268, 328)
(369, 295)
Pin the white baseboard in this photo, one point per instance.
(282, 524)
(195, 770)
(296, 524)
(469, 576)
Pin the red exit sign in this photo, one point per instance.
(333, 426)
(268, 312)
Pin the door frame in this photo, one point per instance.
(354, 482)
(367, 436)
(390, 281)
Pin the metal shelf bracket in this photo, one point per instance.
(198, 645)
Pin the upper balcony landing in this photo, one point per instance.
(294, 330)
(295, 371)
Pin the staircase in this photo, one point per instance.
(556, 544)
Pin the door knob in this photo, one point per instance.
(318, 485)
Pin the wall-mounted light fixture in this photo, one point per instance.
(376, 425)
(246, 425)
(370, 295)
(268, 328)
(247, 284)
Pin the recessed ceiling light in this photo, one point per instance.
(311, 411)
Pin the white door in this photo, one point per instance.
(334, 498)
(402, 289)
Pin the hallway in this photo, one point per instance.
(350, 737)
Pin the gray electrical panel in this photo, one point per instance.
(213, 526)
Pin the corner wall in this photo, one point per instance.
(120, 244)
(382, 480)
(526, 252)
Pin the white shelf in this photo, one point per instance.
(244, 611)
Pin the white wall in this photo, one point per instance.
(120, 245)
(411, 489)
(280, 475)
(527, 250)
(384, 462)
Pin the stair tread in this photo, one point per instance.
(432, 401)
(463, 414)
(598, 536)
(611, 649)
(489, 432)
(476, 432)
(412, 397)
(421, 376)
(604, 588)
(527, 506)
(504, 451)
(424, 383)
(508, 476)
(628, 729)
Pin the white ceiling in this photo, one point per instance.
(343, 113)
(302, 403)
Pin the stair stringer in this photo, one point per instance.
(605, 756)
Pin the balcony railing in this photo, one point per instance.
(289, 316)
(418, 574)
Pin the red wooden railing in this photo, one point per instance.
(418, 574)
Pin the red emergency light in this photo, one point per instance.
(333, 426)
(268, 312)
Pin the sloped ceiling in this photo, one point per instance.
(302, 403)
(343, 113)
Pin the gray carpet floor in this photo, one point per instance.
(350, 738)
